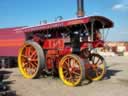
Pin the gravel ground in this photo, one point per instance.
(115, 83)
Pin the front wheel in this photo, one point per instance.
(71, 70)
(96, 68)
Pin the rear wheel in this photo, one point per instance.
(31, 59)
(72, 70)
(96, 68)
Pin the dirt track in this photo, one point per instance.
(115, 83)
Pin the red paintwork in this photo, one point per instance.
(10, 41)
(57, 43)
(84, 45)
(98, 43)
(68, 23)
(66, 50)
(54, 25)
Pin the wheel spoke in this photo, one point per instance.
(24, 65)
(33, 65)
(72, 63)
(65, 67)
(33, 60)
(34, 70)
(76, 73)
(97, 61)
(67, 63)
(69, 78)
(97, 72)
(33, 54)
(65, 71)
(29, 65)
(101, 62)
(66, 74)
(29, 51)
(25, 52)
(24, 56)
(93, 60)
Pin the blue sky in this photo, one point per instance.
(31, 12)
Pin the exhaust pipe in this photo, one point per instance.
(80, 8)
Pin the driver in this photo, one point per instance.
(97, 35)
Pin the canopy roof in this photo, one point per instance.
(99, 20)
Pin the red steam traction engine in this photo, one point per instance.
(64, 47)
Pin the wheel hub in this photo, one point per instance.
(70, 69)
(29, 59)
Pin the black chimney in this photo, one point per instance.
(80, 8)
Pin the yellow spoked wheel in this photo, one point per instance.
(72, 70)
(30, 59)
(96, 67)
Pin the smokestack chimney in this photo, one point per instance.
(80, 8)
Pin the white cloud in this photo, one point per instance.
(120, 7)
